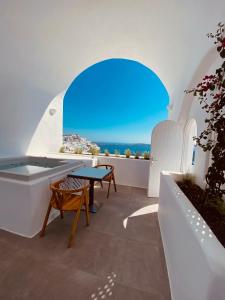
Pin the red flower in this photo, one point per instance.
(216, 96)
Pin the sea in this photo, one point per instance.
(121, 147)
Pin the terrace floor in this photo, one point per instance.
(114, 258)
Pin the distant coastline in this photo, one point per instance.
(74, 143)
(121, 147)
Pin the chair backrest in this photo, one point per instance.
(106, 166)
(66, 188)
(71, 183)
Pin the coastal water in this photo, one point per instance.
(121, 147)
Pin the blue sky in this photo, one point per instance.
(116, 100)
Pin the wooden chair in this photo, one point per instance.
(69, 194)
(109, 178)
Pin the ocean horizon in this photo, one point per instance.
(121, 147)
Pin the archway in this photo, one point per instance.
(189, 145)
(166, 142)
(116, 100)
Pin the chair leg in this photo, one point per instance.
(42, 233)
(86, 203)
(101, 184)
(87, 214)
(74, 226)
(114, 182)
(61, 214)
(109, 187)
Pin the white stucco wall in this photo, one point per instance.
(49, 130)
(46, 44)
(128, 171)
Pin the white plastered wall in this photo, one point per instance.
(49, 129)
(46, 44)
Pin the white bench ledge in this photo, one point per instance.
(194, 256)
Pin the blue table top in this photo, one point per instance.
(90, 173)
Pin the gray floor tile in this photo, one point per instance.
(119, 256)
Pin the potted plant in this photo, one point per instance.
(106, 151)
(117, 153)
(78, 150)
(146, 155)
(93, 151)
(137, 155)
(62, 149)
(127, 153)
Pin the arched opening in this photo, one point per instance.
(189, 146)
(114, 104)
(166, 142)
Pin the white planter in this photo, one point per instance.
(195, 258)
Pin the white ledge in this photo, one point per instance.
(195, 258)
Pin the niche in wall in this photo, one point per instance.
(189, 152)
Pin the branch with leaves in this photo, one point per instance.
(211, 95)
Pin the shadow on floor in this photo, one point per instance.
(119, 256)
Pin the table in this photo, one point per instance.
(91, 174)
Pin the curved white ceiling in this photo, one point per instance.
(45, 44)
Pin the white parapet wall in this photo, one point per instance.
(89, 160)
(194, 256)
(128, 171)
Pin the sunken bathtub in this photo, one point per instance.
(25, 193)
